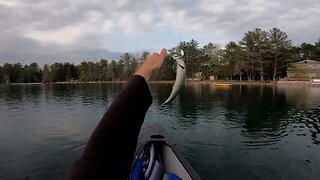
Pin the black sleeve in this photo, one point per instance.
(110, 150)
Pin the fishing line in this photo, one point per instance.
(181, 67)
(164, 2)
(178, 29)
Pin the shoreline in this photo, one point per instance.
(187, 82)
(271, 83)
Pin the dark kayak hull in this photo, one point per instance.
(172, 159)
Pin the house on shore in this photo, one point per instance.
(304, 71)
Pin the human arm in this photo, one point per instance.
(110, 150)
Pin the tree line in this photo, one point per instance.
(259, 55)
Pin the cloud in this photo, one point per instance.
(38, 30)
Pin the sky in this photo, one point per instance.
(45, 31)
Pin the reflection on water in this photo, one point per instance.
(241, 132)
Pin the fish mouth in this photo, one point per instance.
(181, 66)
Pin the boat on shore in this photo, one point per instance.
(158, 158)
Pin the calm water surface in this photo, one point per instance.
(244, 132)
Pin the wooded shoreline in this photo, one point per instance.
(271, 83)
(264, 55)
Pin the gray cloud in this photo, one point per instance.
(47, 31)
(232, 18)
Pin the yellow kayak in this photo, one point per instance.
(226, 85)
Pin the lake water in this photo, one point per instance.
(242, 132)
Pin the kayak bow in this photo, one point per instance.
(160, 153)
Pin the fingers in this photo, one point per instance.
(163, 53)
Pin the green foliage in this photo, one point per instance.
(1, 75)
(17, 74)
(167, 71)
(31, 73)
(7, 71)
(280, 46)
(46, 76)
(212, 61)
(129, 64)
(234, 55)
(255, 44)
(106, 72)
(62, 72)
(309, 51)
(57, 72)
(191, 56)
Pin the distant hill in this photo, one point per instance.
(48, 57)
